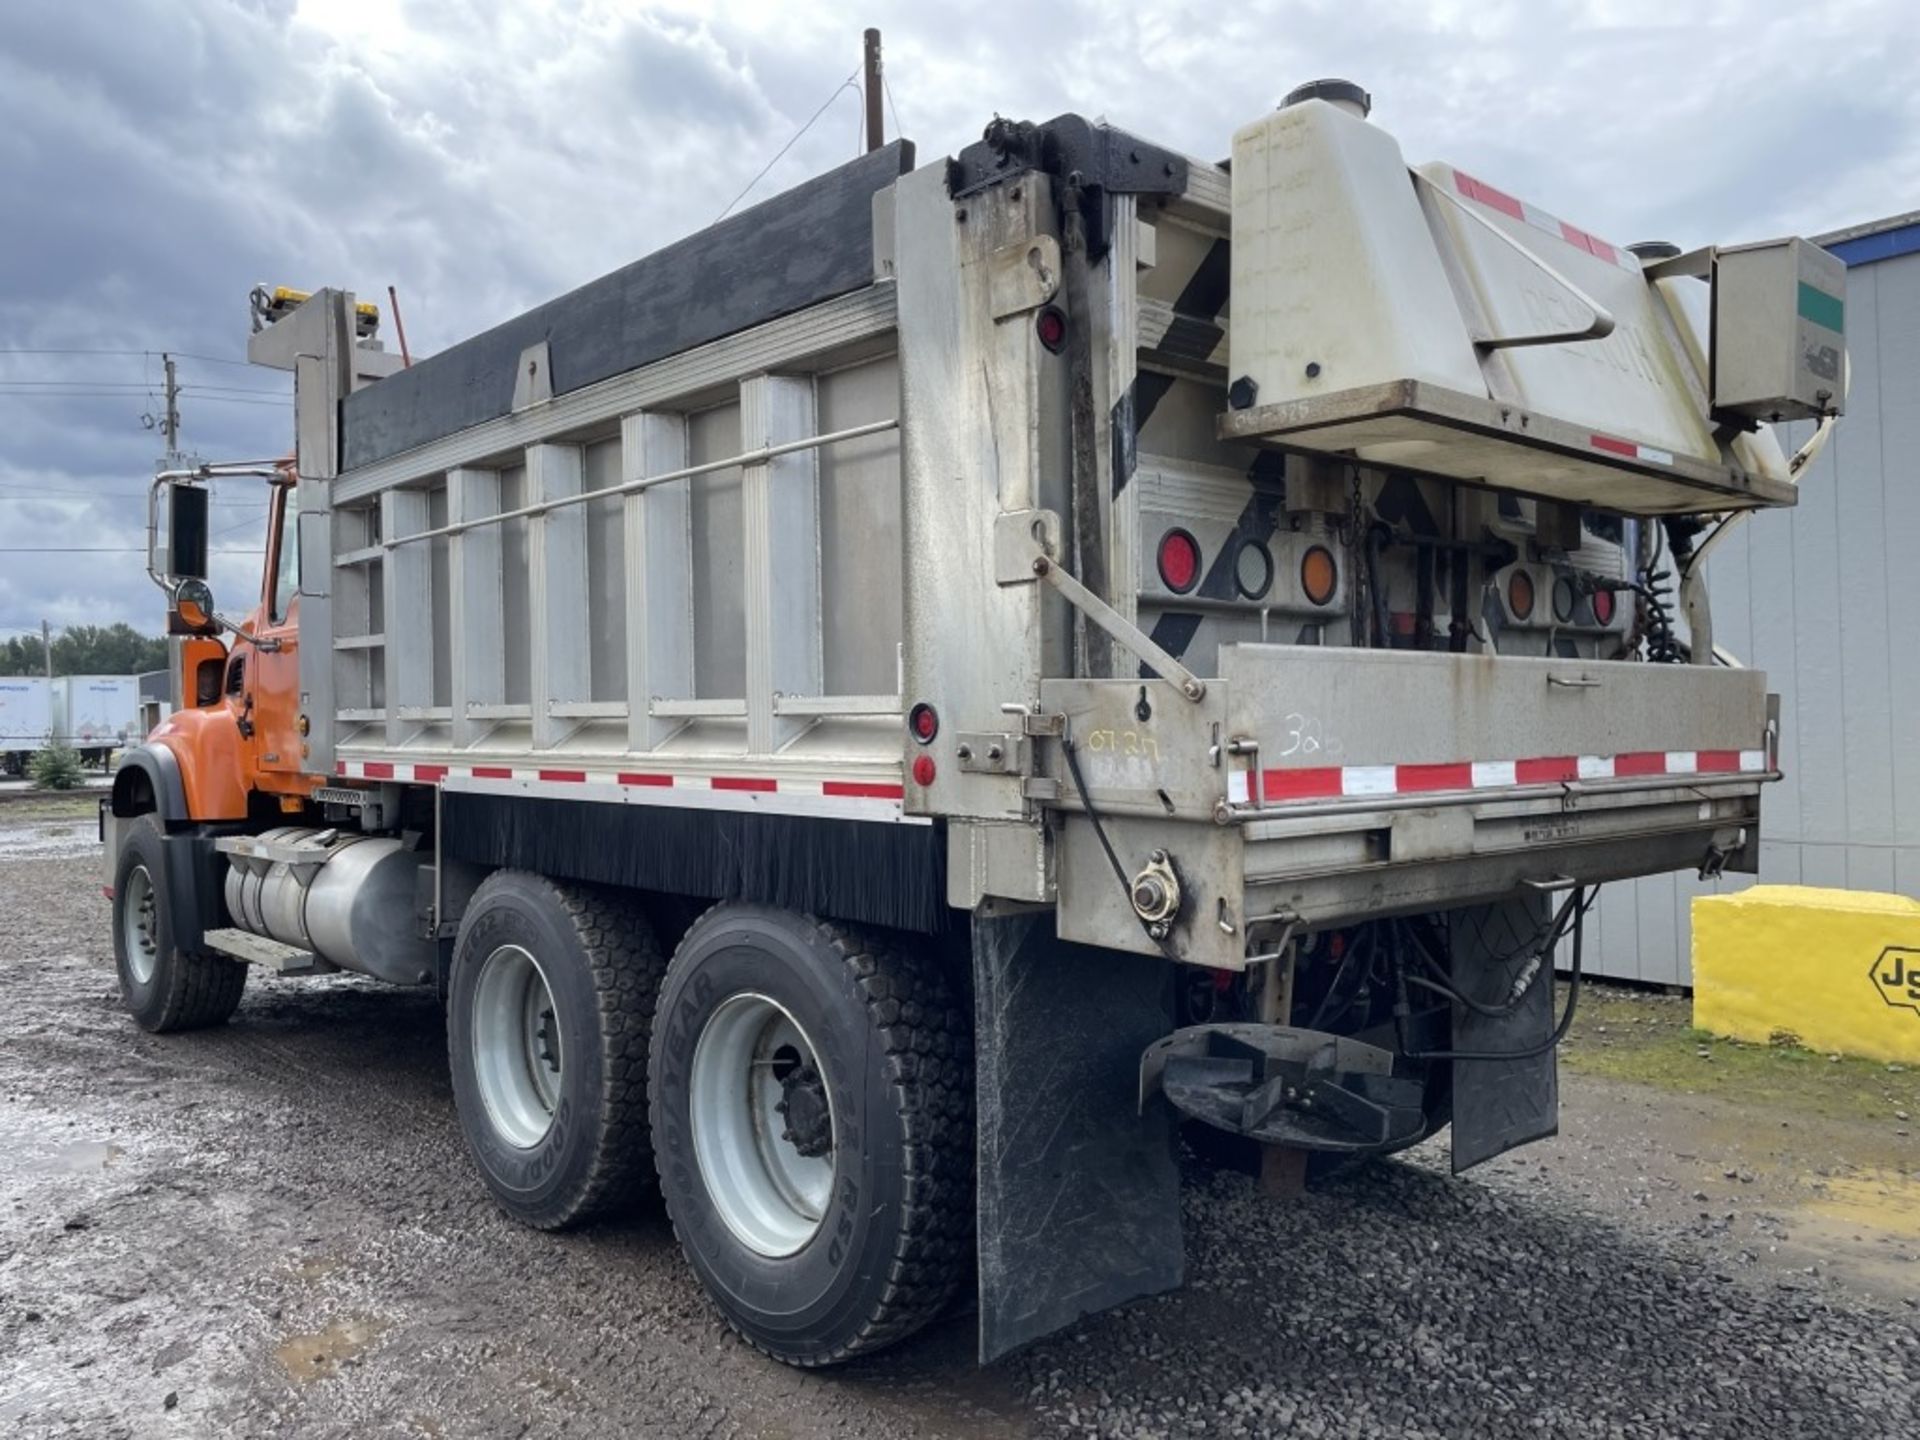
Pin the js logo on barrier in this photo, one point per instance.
(1896, 975)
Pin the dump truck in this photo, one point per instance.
(883, 715)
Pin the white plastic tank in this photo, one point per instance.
(1426, 318)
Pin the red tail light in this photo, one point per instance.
(1179, 561)
(924, 722)
(1603, 607)
(923, 770)
(1051, 326)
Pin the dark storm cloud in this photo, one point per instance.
(156, 159)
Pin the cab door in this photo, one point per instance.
(274, 683)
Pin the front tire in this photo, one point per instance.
(549, 1006)
(812, 1103)
(164, 987)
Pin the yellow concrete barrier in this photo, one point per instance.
(1834, 970)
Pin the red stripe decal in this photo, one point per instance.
(1433, 777)
(429, 773)
(573, 776)
(1575, 236)
(340, 767)
(1546, 770)
(377, 770)
(744, 782)
(1309, 784)
(1603, 250)
(1717, 760)
(492, 772)
(860, 790)
(1646, 762)
(1614, 447)
(641, 778)
(1499, 199)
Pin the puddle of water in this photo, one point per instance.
(317, 1267)
(42, 1154)
(1880, 1200)
(318, 1356)
(56, 840)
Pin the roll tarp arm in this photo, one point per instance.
(1097, 160)
(800, 248)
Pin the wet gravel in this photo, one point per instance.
(272, 1229)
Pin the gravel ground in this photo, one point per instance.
(273, 1229)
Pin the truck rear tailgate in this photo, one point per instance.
(1380, 780)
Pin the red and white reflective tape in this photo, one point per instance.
(1338, 782)
(846, 799)
(1482, 193)
(1613, 445)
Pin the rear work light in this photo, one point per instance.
(924, 722)
(1319, 575)
(1563, 599)
(1179, 561)
(1520, 594)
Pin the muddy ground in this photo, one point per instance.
(273, 1229)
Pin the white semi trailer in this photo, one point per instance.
(26, 720)
(96, 715)
(871, 714)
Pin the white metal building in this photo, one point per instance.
(1821, 597)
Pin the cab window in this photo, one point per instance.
(286, 574)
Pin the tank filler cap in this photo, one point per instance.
(1344, 93)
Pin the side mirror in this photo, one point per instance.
(192, 608)
(187, 532)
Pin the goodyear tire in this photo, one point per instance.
(165, 988)
(812, 1103)
(549, 1006)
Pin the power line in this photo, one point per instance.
(846, 84)
(147, 354)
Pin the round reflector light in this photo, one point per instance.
(1520, 594)
(1603, 607)
(1179, 561)
(1319, 575)
(924, 722)
(923, 770)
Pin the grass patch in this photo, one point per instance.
(1650, 1039)
(39, 809)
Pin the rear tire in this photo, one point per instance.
(164, 987)
(549, 1006)
(812, 1102)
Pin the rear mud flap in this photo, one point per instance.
(1079, 1199)
(1500, 1104)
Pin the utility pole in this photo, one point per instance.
(46, 647)
(170, 427)
(876, 130)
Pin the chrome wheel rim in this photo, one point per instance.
(140, 925)
(762, 1121)
(517, 1056)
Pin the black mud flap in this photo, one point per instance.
(1500, 1104)
(1079, 1203)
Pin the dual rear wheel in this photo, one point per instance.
(802, 1091)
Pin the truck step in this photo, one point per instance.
(288, 960)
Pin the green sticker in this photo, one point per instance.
(1821, 308)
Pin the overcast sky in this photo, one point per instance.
(157, 159)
